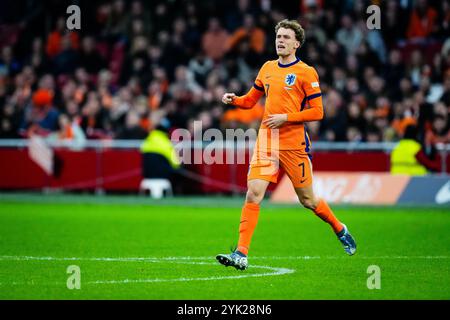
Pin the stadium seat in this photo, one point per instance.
(156, 187)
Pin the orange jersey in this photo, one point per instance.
(289, 89)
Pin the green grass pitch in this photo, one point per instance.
(134, 248)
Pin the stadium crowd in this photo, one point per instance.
(134, 65)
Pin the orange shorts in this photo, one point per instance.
(296, 164)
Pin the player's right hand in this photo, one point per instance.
(228, 98)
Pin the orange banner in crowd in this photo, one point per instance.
(346, 187)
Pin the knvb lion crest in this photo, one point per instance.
(290, 79)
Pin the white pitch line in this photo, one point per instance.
(346, 257)
(196, 260)
(279, 272)
(190, 260)
(276, 272)
(168, 259)
(183, 260)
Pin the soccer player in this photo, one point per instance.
(293, 97)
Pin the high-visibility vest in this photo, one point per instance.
(403, 159)
(158, 142)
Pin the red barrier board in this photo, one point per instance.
(120, 170)
(80, 170)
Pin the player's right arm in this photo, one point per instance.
(246, 101)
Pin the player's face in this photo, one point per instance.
(285, 42)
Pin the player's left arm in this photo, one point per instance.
(310, 86)
(313, 96)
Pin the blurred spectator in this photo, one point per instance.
(248, 32)
(355, 118)
(184, 86)
(40, 117)
(405, 158)
(89, 58)
(54, 41)
(214, 40)
(160, 160)
(394, 22)
(349, 35)
(69, 132)
(37, 58)
(422, 21)
(94, 119)
(445, 98)
(353, 135)
(200, 66)
(394, 69)
(374, 40)
(443, 19)
(334, 123)
(66, 60)
(138, 21)
(10, 121)
(8, 64)
(116, 24)
(234, 15)
(373, 135)
(439, 131)
(132, 129)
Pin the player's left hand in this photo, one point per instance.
(274, 121)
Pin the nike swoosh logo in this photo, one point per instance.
(301, 181)
(267, 77)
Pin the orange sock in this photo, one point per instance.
(324, 212)
(249, 219)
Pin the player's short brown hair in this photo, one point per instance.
(293, 25)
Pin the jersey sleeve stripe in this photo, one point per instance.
(313, 96)
(258, 87)
(307, 141)
(303, 104)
